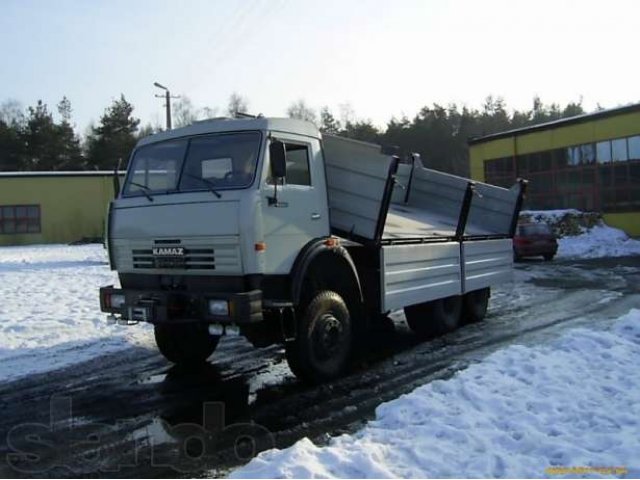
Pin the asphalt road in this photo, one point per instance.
(132, 415)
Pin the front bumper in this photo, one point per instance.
(164, 306)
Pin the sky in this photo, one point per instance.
(383, 58)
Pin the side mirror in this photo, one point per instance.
(278, 156)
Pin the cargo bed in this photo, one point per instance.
(437, 235)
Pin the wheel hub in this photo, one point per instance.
(329, 335)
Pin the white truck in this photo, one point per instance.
(266, 228)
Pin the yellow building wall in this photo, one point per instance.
(629, 222)
(623, 125)
(71, 207)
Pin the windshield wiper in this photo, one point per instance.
(209, 183)
(144, 189)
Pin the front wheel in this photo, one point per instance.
(322, 348)
(185, 344)
(548, 256)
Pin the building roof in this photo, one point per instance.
(61, 173)
(587, 117)
(216, 125)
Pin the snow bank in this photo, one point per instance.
(599, 241)
(50, 312)
(584, 235)
(522, 410)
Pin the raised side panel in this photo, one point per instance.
(438, 193)
(492, 209)
(486, 263)
(414, 274)
(356, 177)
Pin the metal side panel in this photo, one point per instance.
(356, 177)
(414, 274)
(486, 263)
(492, 209)
(439, 193)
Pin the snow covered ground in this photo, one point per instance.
(571, 405)
(49, 310)
(596, 242)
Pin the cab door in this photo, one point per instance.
(301, 211)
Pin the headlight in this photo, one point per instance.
(116, 300)
(219, 307)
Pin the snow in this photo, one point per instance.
(50, 312)
(598, 241)
(571, 404)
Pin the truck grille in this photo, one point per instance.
(196, 258)
(192, 256)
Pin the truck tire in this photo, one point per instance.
(475, 304)
(186, 344)
(436, 317)
(322, 348)
(420, 320)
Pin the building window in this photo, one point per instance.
(619, 150)
(19, 219)
(634, 148)
(603, 152)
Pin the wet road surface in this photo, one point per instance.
(130, 414)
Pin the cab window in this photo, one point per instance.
(297, 165)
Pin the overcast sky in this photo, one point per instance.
(383, 57)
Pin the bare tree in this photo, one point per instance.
(301, 110)
(183, 112)
(347, 114)
(210, 112)
(237, 103)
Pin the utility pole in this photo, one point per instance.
(167, 96)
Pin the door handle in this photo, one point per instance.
(315, 216)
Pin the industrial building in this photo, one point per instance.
(53, 207)
(589, 162)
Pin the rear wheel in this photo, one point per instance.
(436, 317)
(185, 344)
(420, 321)
(322, 348)
(548, 256)
(475, 304)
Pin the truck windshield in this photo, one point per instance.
(222, 161)
(219, 161)
(155, 168)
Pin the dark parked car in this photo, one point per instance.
(534, 239)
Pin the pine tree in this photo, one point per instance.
(328, 123)
(114, 138)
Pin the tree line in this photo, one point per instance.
(35, 140)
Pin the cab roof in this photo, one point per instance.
(217, 125)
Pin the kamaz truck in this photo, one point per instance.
(267, 228)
